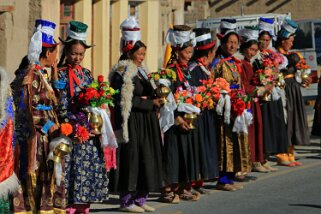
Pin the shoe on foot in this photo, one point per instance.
(132, 209)
(258, 167)
(70, 210)
(202, 191)
(269, 167)
(147, 208)
(241, 178)
(297, 163)
(226, 187)
(170, 198)
(293, 161)
(286, 163)
(237, 186)
(190, 196)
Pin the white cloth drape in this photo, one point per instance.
(57, 166)
(107, 137)
(188, 108)
(224, 106)
(167, 119)
(242, 122)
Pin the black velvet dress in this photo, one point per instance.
(274, 127)
(181, 164)
(207, 136)
(297, 123)
(140, 160)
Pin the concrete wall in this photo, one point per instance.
(103, 18)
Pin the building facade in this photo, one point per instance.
(103, 18)
(202, 9)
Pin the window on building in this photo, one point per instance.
(67, 12)
(133, 9)
(187, 4)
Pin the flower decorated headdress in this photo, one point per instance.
(249, 33)
(77, 31)
(42, 37)
(266, 24)
(180, 35)
(130, 34)
(227, 26)
(203, 39)
(288, 29)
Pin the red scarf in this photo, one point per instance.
(180, 73)
(73, 77)
(201, 61)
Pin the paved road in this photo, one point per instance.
(289, 190)
(294, 190)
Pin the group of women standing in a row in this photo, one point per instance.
(175, 162)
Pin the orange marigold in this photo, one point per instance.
(66, 129)
(189, 100)
(184, 93)
(198, 98)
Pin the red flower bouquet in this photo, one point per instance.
(240, 101)
(239, 106)
(82, 133)
(211, 91)
(303, 70)
(269, 65)
(97, 94)
(189, 97)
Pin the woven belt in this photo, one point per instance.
(288, 76)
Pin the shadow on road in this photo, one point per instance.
(104, 210)
(314, 157)
(306, 205)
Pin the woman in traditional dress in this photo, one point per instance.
(179, 140)
(9, 182)
(297, 124)
(249, 49)
(39, 192)
(206, 149)
(136, 124)
(86, 176)
(233, 146)
(272, 111)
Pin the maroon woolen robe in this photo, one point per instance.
(255, 130)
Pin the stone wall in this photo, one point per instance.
(198, 9)
(300, 9)
(14, 35)
(35, 13)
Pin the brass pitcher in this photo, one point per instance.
(60, 151)
(190, 118)
(162, 92)
(96, 122)
(304, 77)
(280, 81)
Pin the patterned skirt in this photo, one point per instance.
(86, 176)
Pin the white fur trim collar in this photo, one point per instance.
(128, 70)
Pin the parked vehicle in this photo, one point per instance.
(308, 42)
